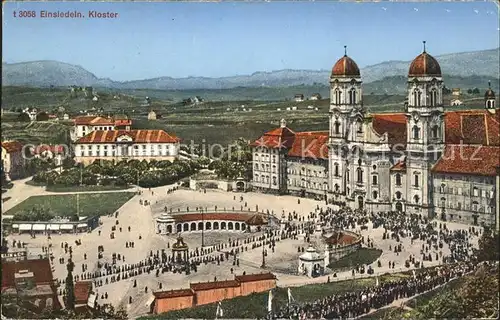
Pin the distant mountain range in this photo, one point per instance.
(480, 64)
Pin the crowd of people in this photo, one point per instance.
(359, 302)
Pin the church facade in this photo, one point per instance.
(424, 160)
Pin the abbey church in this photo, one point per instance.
(425, 160)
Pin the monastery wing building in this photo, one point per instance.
(424, 160)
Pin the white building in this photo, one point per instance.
(86, 124)
(389, 161)
(126, 144)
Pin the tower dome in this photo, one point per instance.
(489, 94)
(424, 65)
(345, 67)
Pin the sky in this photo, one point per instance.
(219, 39)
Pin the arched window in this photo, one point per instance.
(374, 180)
(338, 95)
(416, 180)
(488, 104)
(336, 166)
(416, 97)
(337, 127)
(435, 131)
(433, 98)
(375, 194)
(398, 179)
(360, 175)
(416, 199)
(352, 96)
(359, 126)
(274, 180)
(398, 195)
(442, 188)
(416, 132)
(336, 187)
(443, 202)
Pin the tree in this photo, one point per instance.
(70, 287)
(24, 117)
(488, 246)
(68, 163)
(469, 91)
(475, 91)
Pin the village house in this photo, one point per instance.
(299, 97)
(86, 124)
(55, 153)
(33, 281)
(153, 115)
(126, 144)
(316, 96)
(12, 159)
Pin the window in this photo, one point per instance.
(474, 206)
(374, 167)
(256, 166)
(416, 98)
(374, 180)
(398, 195)
(359, 125)
(443, 202)
(348, 191)
(360, 175)
(475, 192)
(336, 187)
(338, 95)
(336, 169)
(416, 180)
(337, 127)
(433, 98)
(274, 181)
(442, 188)
(435, 132)
(398, 179)
(416, 199)
(352, 96)
(375, 194)
(416, 132)
(347, 176)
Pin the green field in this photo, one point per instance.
(65, 205)
(363, 256)
(83, 188)
(255, 305)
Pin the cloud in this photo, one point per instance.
(415, 9)
(384, 8)
(476, 11)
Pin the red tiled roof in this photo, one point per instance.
(173, 293)
(241, 217)
(310, 145)
(255, 277)
(82, 291)
(392, 123)
(256, 220)
(475, 160)
(138, 136)
(101, 121)
(472, 127)
(277, 138)
(12, 146)
(40, 268)
(214, 285)
(341, 238)
(399, 166)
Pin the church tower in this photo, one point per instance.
(345, 98)
(489, 100)
(425, 130)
